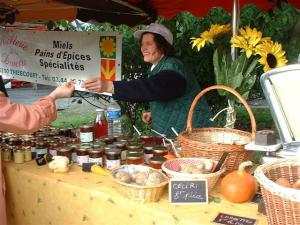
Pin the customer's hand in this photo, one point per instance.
(98, 85)
(146, 117)
(63, 91)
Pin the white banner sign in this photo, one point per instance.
(55, 57)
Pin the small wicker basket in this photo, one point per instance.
(282, 203)
(171, 168)
(211, 142)
(140, 193)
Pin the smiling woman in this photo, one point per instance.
(170, 87)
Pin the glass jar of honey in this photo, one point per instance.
(27, 153)
(156, 162)
(19, 156)
(5, 154)
(82, 155)
(112, 158)
(41, 148)
(53, 146)
(122, 146)
(147, 139)
(86, 133)
(148, 152)
(65, 151)
(159, 151)
(96, 156)
(135, 158)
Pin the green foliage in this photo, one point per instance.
(239, 74)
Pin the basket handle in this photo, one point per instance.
(226, 88)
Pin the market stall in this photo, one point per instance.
(37, 196)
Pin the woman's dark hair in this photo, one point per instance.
(162, 44)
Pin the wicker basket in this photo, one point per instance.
(170, 167)
(212, 142)
(140, 193)
(282, 204)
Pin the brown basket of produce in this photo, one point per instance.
(212, 142)
(279, 182)
(187, 168)
(140, 183)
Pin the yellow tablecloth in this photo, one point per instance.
(36, 196)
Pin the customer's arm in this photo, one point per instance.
(163, 86)
(23, 119)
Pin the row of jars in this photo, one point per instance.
(113, 155)
(109, 151)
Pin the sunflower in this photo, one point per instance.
(215, 31)
(271, 54)
(248, 40)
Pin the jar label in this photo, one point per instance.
(82, 159)
(123, 155)
(113, 115)
(86, 137)
(98, 161)
(111, 164)
(147, 157)
(74, 157)
(41, 151)
(53, 152)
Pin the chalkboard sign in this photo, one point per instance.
(188, 191)
(223, 218)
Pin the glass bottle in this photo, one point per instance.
(100, 125)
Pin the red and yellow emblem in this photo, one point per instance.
(108, 69)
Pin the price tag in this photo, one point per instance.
(188, 191)
(223, 218)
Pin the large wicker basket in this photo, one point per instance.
(142, 194)
(282, 203)
(212, 142)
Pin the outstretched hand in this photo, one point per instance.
(63, 91)
(98, 85)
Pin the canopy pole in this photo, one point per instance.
(235, 24)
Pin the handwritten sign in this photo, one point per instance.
(223, 218)
(184, 191)
(55, 57)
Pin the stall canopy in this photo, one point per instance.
(130, 12)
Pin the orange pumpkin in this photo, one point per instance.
(239, 186)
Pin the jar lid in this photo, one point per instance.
(95, 150)
(134, 156)
(133, 146)
(82, 149)
(120, 144)
(137, 150)
(148, 147)
(159, 149)
(64, 149)
(99, 110)
(112, 151)
(157, 160)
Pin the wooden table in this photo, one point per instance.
(36, 196)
